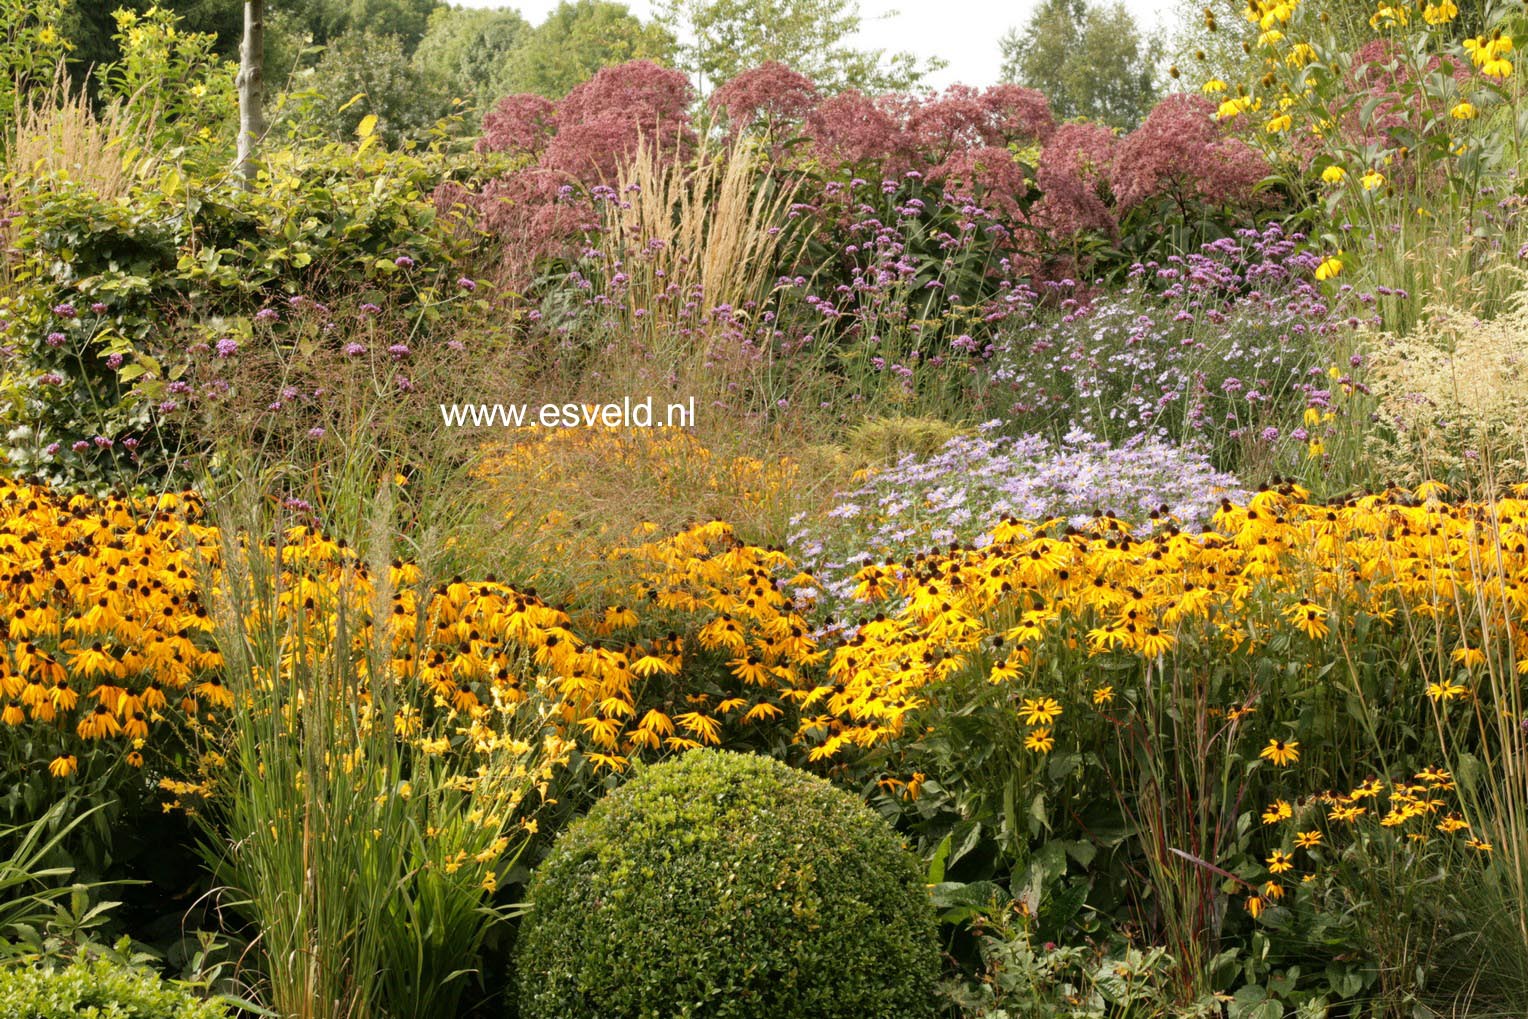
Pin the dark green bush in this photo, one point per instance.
(99, 989)
(728, 886)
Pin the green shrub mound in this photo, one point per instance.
(728, 886)
(99, 989)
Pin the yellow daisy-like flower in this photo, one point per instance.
(1372, 180)
(1280, 123)
(1464, 111)
(1330, 267)
(1039, 710)
(1213, 86)
(1308, 839)
(63, 766)
(1308, 616)
(1445, 690)
(1334, 174)
(1278, 810)
(1281, 752)
(1441, 13)
(1039, 741)
(1103, 695)
(1280, 862)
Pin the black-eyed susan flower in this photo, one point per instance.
(1281, 752)
(1039, 710)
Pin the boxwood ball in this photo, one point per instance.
(728, 886)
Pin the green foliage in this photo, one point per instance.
(1089, 58)
(725, 37)
(111, 295)
(364, 74)
(471, 50)
(579, 38)
(101, 989)
(32, 42)
(727, 886)
(1025, 976)
(177, 91)
(326, 20)
(31, 878)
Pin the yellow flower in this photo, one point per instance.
(1039, 711)
(1280, 752)
(1445, 690)
(1464, 111)
(1308, 839)
(1440, 13)
(1309, 617)
(1280, 862)
(1213, 86)
(1254, 905)
(1103, 695)
(1039, 741)
(1280, 123)
(1334, 174)
(64, 766)
(1330, 266)
(1277, 811)
(1371, 180)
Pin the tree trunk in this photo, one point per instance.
(251, 84)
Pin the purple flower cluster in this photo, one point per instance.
(1223, 345)
(974, 482)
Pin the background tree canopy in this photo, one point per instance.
(1089, 58)
(724, 37)
(577, 39)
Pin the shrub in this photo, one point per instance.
(98, 989)
(113, 295)
(727, 885)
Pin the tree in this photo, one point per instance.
(470, 50)
(329, 19)
(374, 71)
(1089, 58)
(579, 38)
(723, 38)
(251, 86)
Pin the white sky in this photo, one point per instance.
(963, 32)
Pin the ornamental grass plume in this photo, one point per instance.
(1453, 394)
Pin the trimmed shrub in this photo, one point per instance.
(98, 989)
(728, 886)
